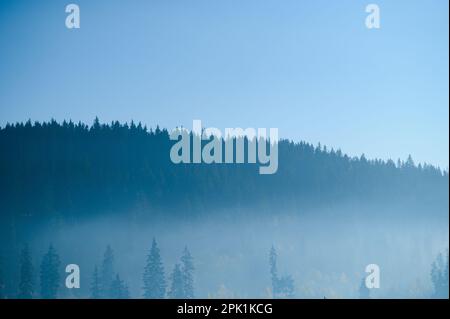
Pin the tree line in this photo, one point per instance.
(53, 173)
(70, 171)
(105, 282)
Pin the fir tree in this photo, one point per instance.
(119, 290)
(273, 270)
(107, 273)
(282, 287)
(187, 269)
(439, 276)
(177, 284)
(49, 274)
(95, 285)
(445, 277)
(26, 283)
(154, 280)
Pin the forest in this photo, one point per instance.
(68, 190)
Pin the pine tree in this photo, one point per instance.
(273, 271)
(154, 281)
(445, 277)
(119, 290)
(107, 273)
(364, 292)
(95, 285)
(177, 284)
(282, 287)
(26, 283)
(439, 277)
(49, 275)
(187, 270)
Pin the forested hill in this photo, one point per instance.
(73, 170)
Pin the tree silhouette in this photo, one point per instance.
(282, 287)
(107, 273)
(119, 290)
(83, 169)
(176, 290)
(154, 281)
(26, 283)
(49, 274)
(439, 276)
(273, 270)
(187, 269)
(95, 285)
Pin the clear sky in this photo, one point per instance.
(310, 68)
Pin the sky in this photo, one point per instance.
(309, 68)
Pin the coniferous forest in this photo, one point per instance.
(107, 198)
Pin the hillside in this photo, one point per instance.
(52, 169)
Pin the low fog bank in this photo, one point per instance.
(325, 252)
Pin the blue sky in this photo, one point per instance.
(310, 68)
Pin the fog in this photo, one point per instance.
(324, 251)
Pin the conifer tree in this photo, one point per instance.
(107, 273)
(26, 282)
(49, 274)
(176, 290)
(273, 270)
(154, 280)
(119, 290)
(282, 287)
(439, 276)
(95, 285)
(187, 269)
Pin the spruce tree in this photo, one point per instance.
(273, 271)
(154, 280)
(282, 287)
(176, 290)
(49, 275)
(439, 276)
(95, 285)
(107, 273)
(119, 290)
(26, 282)
(445, 276)
(187, 270)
